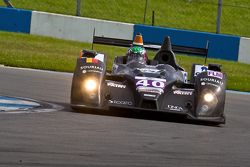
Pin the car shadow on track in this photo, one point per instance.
(148, 115)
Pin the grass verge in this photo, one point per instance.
(29, 51)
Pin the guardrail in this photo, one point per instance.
(220, 46)
(15, 20)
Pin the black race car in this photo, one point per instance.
(161, 85)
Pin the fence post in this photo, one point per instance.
(145, 11)
(78, 7)
(7, 2)
(153, 18)
(218, 16)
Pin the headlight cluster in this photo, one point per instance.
(90, 87)
(209, 97)
(208, 103)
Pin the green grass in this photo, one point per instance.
(23, 50)
(184, 14)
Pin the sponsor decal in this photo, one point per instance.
(174, 108)
(112, 84)
(150, 66)
(204, 68)
(149, 95)
(211, 80)
(149, 90)
(95, 71)
(100, 57)
(204, 108)
(95, 60)
(90, 60)
(183, 92)
(114, 68)
(199, 69)
(91, 67)
(148, 70)
(128, 103)
(185, 75)
(215, 74)
(208, 83)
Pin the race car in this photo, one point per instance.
(159, 85)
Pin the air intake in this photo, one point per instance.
(149, 104)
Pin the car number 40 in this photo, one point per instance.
(149, 83)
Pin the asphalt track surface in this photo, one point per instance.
(65, 138)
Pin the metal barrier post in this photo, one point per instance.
(78, 7)
(153, 18)
(145, 11)
(7, 2)
(218, 16)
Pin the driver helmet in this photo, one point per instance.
(137, 52)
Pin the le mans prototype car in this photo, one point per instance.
(161, 85)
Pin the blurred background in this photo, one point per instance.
(217, 16)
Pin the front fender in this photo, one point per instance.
(88, 68)
(210, 96)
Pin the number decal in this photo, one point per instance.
(158, 84)
(142, 83)
(150, 83)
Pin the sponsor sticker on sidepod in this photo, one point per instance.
(119, 102)
(213, 80)
(116, 85)
(215, 74)
(183, 92)
(199, 69)
(91, 68)
(174, 108)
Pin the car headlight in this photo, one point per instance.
(90, 85)
(208, 97)
(207, 103)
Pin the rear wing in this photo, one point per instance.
(127, 43)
